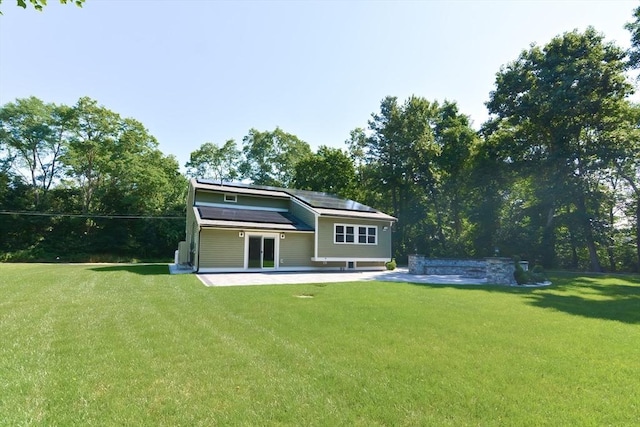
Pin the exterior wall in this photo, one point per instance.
(500, 271)
(191, 229)
(497, 271)
(302, 213)
(296, 250)
(243, 200)
(221, 249)
(193, 246)
(475, 268)
(327, 248)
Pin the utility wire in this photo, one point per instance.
(27, 213)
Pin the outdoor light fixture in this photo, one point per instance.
(241, 234)
(282, 235)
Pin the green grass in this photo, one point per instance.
(132, 345)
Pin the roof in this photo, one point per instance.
(245, 218)
(324, 204)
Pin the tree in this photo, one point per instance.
(413, 163)
(40, 4)
(270, 157)
(555, 108)
(329, 170)
(33, 135)
(211, 161)
(85, 160)
(634, 29)
(627, 168)
(95, 132)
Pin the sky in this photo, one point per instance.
(196, 71)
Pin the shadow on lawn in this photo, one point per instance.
(142, 269)
(579, 296)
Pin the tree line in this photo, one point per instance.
(553, 176)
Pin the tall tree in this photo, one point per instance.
(94, 137)
(329, 170)
(212, 161)
(634, 29)
(270, 157)
(555, 107)
(33, 134)
(627, 168)
(414, 157)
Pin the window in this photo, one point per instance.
(231, 198)
(355, 234)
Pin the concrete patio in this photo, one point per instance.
(283, 278)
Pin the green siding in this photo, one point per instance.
(296, 250)
(326, 247)
(221, 249)
(305, 215)
(191, 228)
(190, 215)
(243, 200)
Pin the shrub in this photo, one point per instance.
(391, 265)
(521, 276)
(537, 274)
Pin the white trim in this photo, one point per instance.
(355, 215)
(276, 250)
(356, 234)
(315, 238)
(233, 198)
(249, 208)
(249, 229)
(284, 269)
(356, 259)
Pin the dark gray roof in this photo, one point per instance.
(247, 215)
(315, 199)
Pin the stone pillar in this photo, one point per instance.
(500, 271)
(414, 264)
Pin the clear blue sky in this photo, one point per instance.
(195, 71)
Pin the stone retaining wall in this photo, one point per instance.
(497, 271)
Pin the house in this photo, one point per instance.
(239, 227)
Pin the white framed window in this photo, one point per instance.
(231, 198)
(353, 234)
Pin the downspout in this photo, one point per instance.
(198, 248)
(315, 237)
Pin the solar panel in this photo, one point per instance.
(329, 201)
(244, 215)
(312, 198)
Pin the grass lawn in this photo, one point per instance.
(132, 345)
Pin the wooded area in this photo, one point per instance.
(552, 177)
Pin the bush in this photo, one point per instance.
(535, 275)
(520, 275)
(391, 265)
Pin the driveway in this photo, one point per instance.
(282, 278)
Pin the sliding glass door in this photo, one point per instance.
(262, 252)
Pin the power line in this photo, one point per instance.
(27, 213)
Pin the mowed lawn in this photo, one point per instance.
(133, 345)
